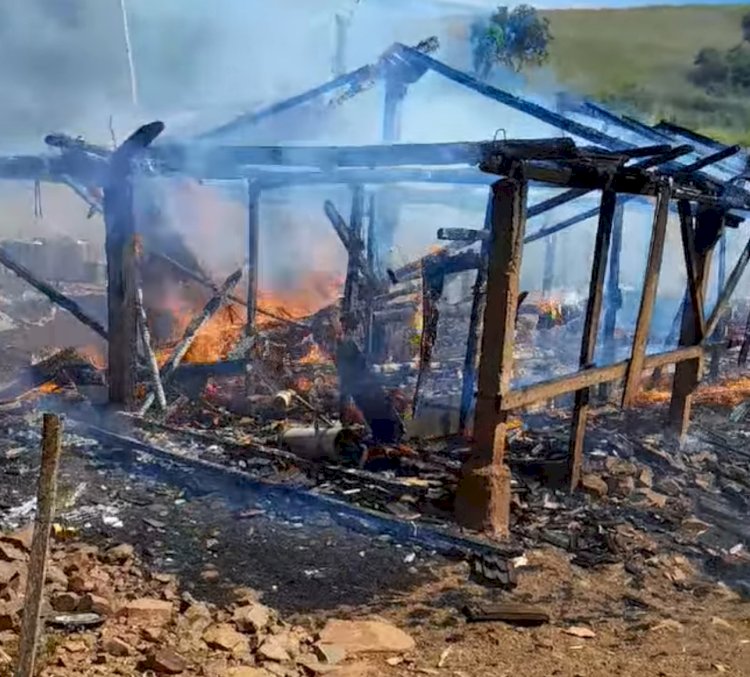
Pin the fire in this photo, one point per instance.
(94, 355)
(314, 356)
(49, 388)
(726, 393)
(314, 291)
(552, 309)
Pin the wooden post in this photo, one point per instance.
(648, 297)
(613, 297)
(710, 223)
(591, 331)
(253, 224)
(350, 307)
(370, 257)
(472, 341)
(483, 496)
(388, 207)
(717, 341)
(119, 221)
(153, 364)
(548, 276)
(45, 508)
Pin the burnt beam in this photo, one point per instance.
(590, 332)
(483, 496)
(648, 297)
(709, 226)
(120, 247)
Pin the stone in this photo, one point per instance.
(119, 554)
(21, 538)
(594, 485)
(722, 624)
(152, 634)
(65, 602)
(95, 604)
(577, 631)
(244, 596)
(10, 572)
(668, 624)
(617, 466)
(12, 553)
(355, 670)
(694, 527)
(359, 636)
(210, 575)
(273, 650)
(165, 661)
(651, 498)
(670, 487)
(330, 654)
(75, 646)
(645, 478)
(116, 647)
(252, 618)
(621, 486)
(218, 667)
(80, 584)
(224, 637)
(148, 611)
(247, 671)
(56, 576)
(197, 616)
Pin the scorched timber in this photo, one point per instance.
(198, 322)
(52, 294)
(153, 365)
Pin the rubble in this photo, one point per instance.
(365, 636)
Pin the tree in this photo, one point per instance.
(746, 27)
(515, 38)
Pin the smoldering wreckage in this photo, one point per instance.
(417, 402)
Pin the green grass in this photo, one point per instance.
(640, 58)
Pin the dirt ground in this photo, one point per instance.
(671, 619)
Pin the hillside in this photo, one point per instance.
(640, 57)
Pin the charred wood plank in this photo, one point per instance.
(119, 220)
(590, 332)
(507, 612)
(547, 390)
(350, 308)
(153, 364)
(433, 283)
(687, 230)
(613, 297)
(726, 293)
(345, 235)
(709, 160)
(58, 298)
(648, 297)
(253, 227)
(710, 223)
(467, 235)
(468, 382)
(196, 324)
(483, 496)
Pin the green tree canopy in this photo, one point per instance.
(515, 38)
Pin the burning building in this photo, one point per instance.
(377, 341)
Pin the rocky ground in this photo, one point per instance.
(643, 573)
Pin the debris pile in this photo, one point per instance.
(106, 615)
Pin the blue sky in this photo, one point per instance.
(490, 4)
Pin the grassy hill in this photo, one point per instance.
(640, 57)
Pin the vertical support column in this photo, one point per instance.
(472, 341)
(591, 330)
(120, 244)
(388, 207)
(371, 258)
(716, 341)
(350, 311)
(483, 496)
(548, 277)
(648, 296)
(710, 222)
(613, 297)
(253, 226)
(339, 59)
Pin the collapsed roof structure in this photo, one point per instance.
(597, 150)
